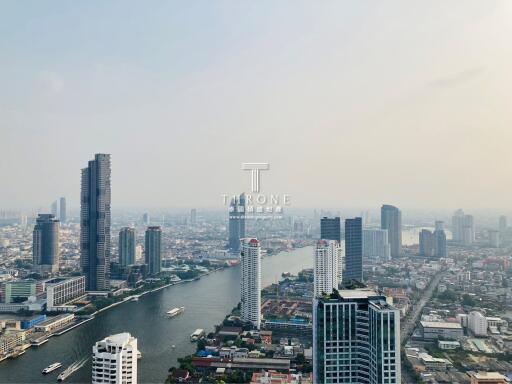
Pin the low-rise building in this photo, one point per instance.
(61, 291)
(448, 344)
(433, 363)
(30, 323)
(55, 323)
(488, 378)
(20, 290)
(9, 341)
(233, 352)
(434, 330)
(273, 377)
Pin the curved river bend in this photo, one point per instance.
(207, 301)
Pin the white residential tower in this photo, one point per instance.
(114, 360)
(250, 281)
(328, 261)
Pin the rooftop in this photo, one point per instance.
(488, 375)
(359, 293)
(440, 324)
(119, 338)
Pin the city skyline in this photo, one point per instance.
(292, 192)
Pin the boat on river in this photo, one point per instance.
(175, 311)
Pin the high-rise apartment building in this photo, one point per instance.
(375, 244)
(193, 216)
(391, 219)
(114, 360)
(326, 268)
(250, 281)
(440, 249)
(356, 338)
(152, 249)
(463, 228)
(127, 246)
(236, 222)
(62, 210)
(45, 244)
(138, 253)
(330, 228)
(353, 269)
(477, 323)
(95, 223)
(426, 243)
(433, 244)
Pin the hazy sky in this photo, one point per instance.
(353, 103)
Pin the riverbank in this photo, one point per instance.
(82, 319)
(295, 324)
(206, 300)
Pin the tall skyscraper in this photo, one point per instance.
(250, 281)
(55, 208)
(494, 238)
(463, 228)
(330, 228)
(502, 225)
(353, 250)
(391, 219)
(375, 244)
(236, 222)
(146, 219)
(426, 243)
(114, 360)
(326, 268)
(127, 246)
(193, 216)
(45, 245)
(468, 230)
(153, 245)
(95, 223)
(439, 235)
(356, 338)
(62, 210)
(457, 223)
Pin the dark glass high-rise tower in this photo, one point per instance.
(330, 228)
(45, 248)
(95, 223)
(426, 243)
(440, 240)
(391, 219)
(126, 246)
(152, 249)
(353, 250)
(236, 222)
(356, 338)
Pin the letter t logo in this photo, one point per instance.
(255, 169)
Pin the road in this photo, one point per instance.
(409, 322)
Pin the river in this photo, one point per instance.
(207, 301)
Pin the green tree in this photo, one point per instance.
(468, 300)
